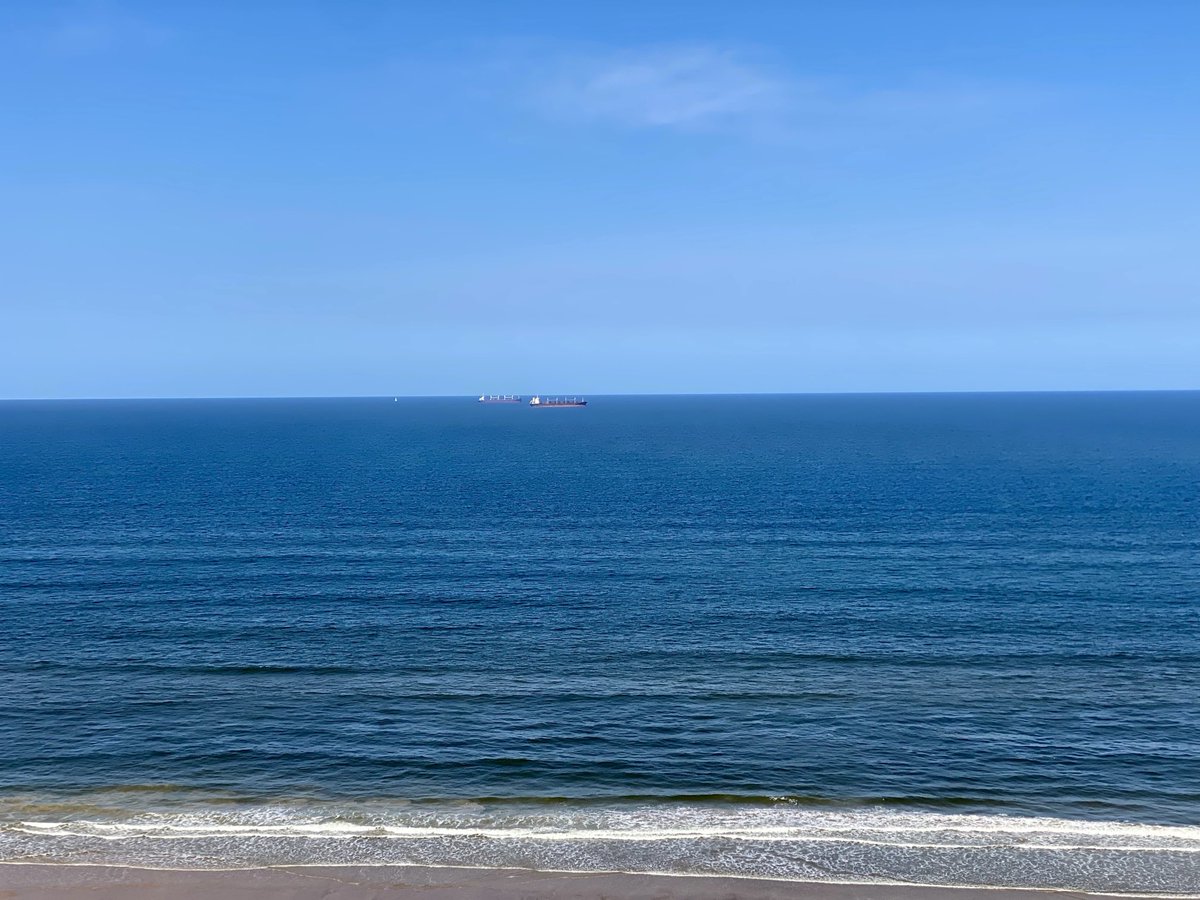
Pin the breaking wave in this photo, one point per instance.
(783, 839)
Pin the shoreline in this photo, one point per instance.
(59, 881)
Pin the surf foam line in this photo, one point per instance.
(622, 823)
(116, 832)
(870, 846)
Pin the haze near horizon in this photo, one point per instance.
(381, 199)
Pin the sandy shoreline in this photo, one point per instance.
(51, 882)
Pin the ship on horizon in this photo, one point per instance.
(499, 398)
(556, 402)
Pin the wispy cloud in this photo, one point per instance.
(694, 87)
(711, 88)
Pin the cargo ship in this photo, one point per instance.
(556, 403)
(499, 398)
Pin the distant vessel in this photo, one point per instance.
(499, 398)
(556, 402)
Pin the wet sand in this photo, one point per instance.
(50, 882)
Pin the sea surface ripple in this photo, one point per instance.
(946, 639)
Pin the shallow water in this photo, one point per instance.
(945, 639)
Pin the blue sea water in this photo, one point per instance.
(945, 639)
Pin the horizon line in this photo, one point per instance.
(583, 394)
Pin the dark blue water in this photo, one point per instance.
(736, 634)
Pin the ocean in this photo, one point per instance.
(936, 639)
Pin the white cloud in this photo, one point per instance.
(712, 88)
(701, 88)
(693, 87)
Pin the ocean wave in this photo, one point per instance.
(779, 840)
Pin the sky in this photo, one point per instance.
(454, 197)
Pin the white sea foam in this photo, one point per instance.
(910, 831)
(781, 840)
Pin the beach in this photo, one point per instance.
(50, 882)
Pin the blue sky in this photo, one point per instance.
(255, 199)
